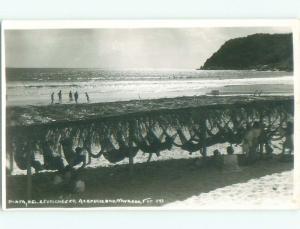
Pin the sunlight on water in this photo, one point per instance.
(34, 86)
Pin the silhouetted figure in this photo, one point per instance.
(52, 98)
(251, 141)
(73, 157)
(288, 144)
(218, 160)
(230, 150)
(22, 149)
(87, 97)
(76, 96)
(59, 96)
(51, 160)
(68, 180)
(70, 96)
(230, 161)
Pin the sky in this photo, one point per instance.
(155, 48)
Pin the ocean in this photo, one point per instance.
(33, 86)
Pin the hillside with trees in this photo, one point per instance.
(257, 51)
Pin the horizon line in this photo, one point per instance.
(108, 68)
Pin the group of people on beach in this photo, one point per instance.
(255, 147)
(76, 97)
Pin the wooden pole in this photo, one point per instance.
(11, 160)
(130, 165)
(261, 144)
(204, 153)
(131, 133)
(29, 177)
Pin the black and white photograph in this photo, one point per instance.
(158, 116)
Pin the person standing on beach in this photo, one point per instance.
(87, 97)
(230, 161)
(52, 98)
(70, 96)
(59, 96)
(76, 96)
(251, 141)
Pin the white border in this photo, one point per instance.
(90, 24)
(188, 23)
(3, 118)
(296, 42)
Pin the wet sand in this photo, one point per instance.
(276, 89)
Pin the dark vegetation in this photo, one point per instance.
(257, 51)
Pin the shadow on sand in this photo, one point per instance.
(161, 181)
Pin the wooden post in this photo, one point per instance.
(130, 165)
(131, 130)
(204, 152)
(261, 144)
(29, 177)
(11, 159)
(261, 148)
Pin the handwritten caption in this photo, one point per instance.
(88, 202)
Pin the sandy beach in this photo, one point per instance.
(266, 192)
(174, 182)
